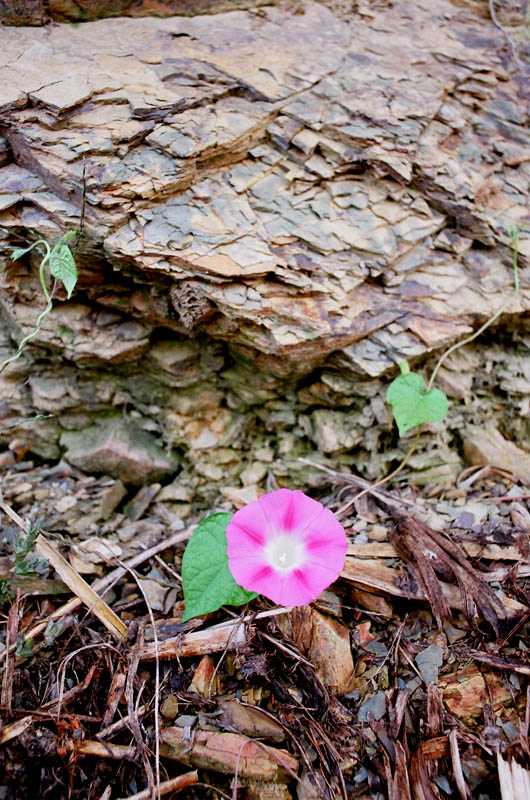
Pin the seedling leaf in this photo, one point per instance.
(206, 579)
(62, 264)
(412, 405)
(18, 252)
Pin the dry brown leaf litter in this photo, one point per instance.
(381, 688)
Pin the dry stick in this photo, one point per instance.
(457, 765)
(11, 636)
(102, 584)
(73, 580)
(209, 640)
(15, 729)
(89, 747)
(110, 730)
(493, 552)
(157, 677)
(134, 660)
(172, 785)
(393, 474)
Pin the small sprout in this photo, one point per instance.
(411, 404)
(62, 267)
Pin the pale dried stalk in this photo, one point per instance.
(15, 729)
(82, 590)
(157, 677)
(11, 636)
(514, 780)
(134, 722)
(472, 549)
(457, 764)
(89, 747)
(110, 730)
(74, 581)
(102, 584)
(173, 785)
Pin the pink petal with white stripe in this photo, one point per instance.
(285, 546)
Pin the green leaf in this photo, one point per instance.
(206, 579)
(18, 252)
(412, 405)
(62, 264)
(24, 649)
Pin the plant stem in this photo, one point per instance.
(386, 478)
(515, 238)
(42, 275)
(30, 336)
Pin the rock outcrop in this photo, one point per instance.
(42, 12)
(280, 204)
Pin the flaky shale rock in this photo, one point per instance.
(115, 448)
(280, 204)
(41, 12)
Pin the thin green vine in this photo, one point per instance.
(412, 404)
(62, 267)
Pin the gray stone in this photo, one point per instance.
(118, 448)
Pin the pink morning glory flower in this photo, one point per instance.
(285, 546)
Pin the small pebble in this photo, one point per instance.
(170, 707)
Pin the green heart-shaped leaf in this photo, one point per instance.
(412, 405)
(62, 264)
(207, 582)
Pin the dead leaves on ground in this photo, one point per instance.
(429, 553)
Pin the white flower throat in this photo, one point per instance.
(284, 552)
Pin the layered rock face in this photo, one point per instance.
(280, 204)
(41, 12)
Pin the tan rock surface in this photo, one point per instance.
(270, 194)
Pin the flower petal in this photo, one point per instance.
(250, 573)
(318, 576)
(326, 533)
(288, 510)
(287, 589)
(247, 528)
